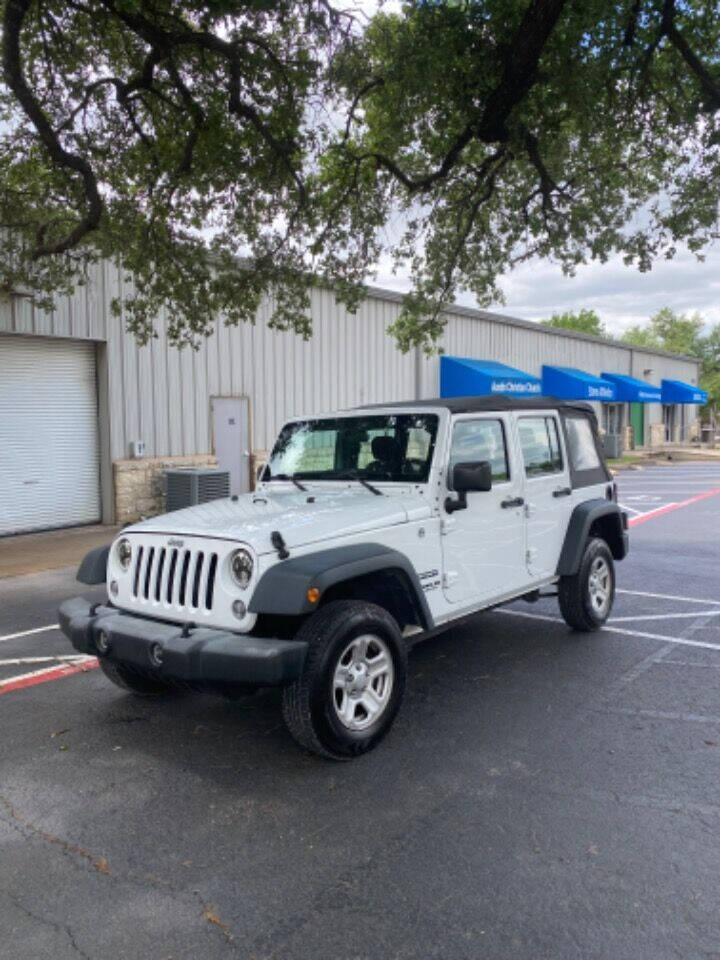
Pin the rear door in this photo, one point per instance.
(547, 490)
(484, 545)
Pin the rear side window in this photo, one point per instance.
(540, 445)
(581, 444)
(475, 440)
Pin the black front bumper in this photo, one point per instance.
(202, 656)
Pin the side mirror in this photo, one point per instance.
(468, 478)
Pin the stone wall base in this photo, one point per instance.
(657, 435)
(138, 484)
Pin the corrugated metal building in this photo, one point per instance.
(167, 399)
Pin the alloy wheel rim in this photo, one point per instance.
(362, 682)
(600, 585)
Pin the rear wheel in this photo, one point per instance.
(586, 598)
(135, 681)
(352, 683)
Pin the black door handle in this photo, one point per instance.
(562, 492)
(512, 502)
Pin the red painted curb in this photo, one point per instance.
(53, 673)
(669, 507)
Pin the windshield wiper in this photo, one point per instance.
(291, 478)
(353, 476)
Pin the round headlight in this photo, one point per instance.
(241, 564)
(124, 553)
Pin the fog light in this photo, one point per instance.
(102, 642)
(156, 654)
(114, 587)
(239, 609)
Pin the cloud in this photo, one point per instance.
(622, 296)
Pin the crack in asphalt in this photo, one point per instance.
(55, 924)
(27, 829)
(97, 863)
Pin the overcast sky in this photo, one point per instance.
(622, 296)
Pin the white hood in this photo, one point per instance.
(301, 518)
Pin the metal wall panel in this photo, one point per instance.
(160, 394)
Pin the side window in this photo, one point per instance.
(581, 444)
(474, 440)
(540, 445)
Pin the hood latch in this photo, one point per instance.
(276, 539)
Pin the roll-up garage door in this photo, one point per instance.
(49, 475)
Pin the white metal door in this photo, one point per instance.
(231, 439)
(548, 495)
(49, 474)
(484, 544)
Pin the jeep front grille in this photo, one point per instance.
(175, 577)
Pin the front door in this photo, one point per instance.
(484, 545)
(637, 419)
(547, 492)
(231, 439)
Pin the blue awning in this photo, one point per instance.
(675, 391)
(568, 383)
(465, 377)
(632, 390)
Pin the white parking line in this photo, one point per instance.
(667, 596)
(628, 633)
(62, 658)
(28, 633)
(666, 616)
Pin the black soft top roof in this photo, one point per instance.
(482, 404)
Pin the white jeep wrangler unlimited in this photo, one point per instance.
(369, 530)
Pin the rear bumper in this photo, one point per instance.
(203, 656)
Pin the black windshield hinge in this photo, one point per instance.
(276, 539)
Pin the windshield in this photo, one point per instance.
(380, 447)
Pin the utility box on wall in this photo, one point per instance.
(186, 488)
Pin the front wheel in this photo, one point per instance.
(352, 682)
(586, 598)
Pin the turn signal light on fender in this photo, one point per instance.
(313, 595)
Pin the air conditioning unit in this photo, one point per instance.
(186, 488)
(612, 444)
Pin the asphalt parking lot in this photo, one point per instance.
(543, 794)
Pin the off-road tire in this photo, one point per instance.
(136, 681)
(307, 703)
(574, 594)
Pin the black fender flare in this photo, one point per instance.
(93, 568)
(283, 588)
(581, 519)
